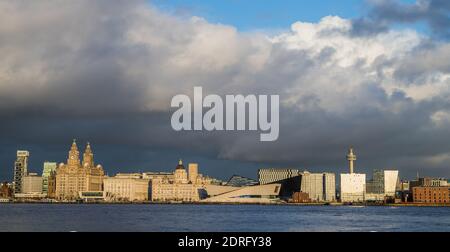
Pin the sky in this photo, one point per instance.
(263, 14)
(370, 74)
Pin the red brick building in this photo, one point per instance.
(300, 197)
(429, 194)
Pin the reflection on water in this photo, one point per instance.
(67, 218)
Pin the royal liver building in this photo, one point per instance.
(76, 177)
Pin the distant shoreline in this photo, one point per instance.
(231, 203)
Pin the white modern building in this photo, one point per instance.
(353, 185)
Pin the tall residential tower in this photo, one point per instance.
(20, 169)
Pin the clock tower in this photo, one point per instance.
(74, 156)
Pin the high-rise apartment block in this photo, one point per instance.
(20, 169)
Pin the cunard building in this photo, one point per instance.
(76, 176)
(182, 186)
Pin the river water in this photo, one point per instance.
(209, 218)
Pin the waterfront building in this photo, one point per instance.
(384, 184)
(6, 190)
(258, 194)
(319, 186)
(239, 181)
(353, 185)
(32, 184)
(300, 197)
(329, 183)
(77, 176)
(288, 178)
(431, 194)
(180, 186)
(126, 187)
(49, 168)
(20, 169)
(405, 193)
(427, 182)
(268, 176)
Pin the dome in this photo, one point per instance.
(180, 165)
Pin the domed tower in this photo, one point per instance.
(88, 157)
(74, 156)
(180, 173)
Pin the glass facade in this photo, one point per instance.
(49, 167)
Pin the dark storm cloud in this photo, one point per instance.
(105, 72)
(435, 13)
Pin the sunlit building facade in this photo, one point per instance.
(49, 168)
(77, 176)
(126, 187)
(32, 184)
(181, 186)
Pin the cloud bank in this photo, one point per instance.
(107, 71)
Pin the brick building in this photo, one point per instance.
(429, 194)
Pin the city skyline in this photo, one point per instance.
(35, 167)
(82, 179)
(371, 74)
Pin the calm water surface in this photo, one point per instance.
(45, 217)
